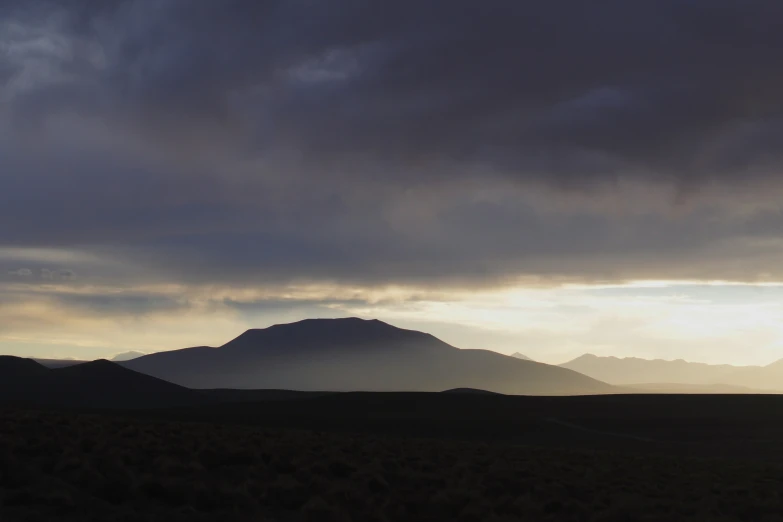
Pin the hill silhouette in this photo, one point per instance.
(522, 356)
(97, 384)
(18, 367)
(471, 391)
(354, 354)
(16, 372)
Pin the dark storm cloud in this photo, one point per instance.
(564, 89)
(255, 140)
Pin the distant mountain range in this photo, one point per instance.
(333, 355)
(635, 371)
(127, 356)
(58, 363)
(354, 354)
(64, 363)
(701, 389)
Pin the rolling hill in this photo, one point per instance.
(97, 384)
(16, 372)
(354, 354)
(19, 368)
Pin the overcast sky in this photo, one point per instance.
(505, 175)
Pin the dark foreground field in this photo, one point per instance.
(392, 457)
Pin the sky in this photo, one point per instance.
(552, 178)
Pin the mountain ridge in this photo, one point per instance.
(353, 354)
(622, 371)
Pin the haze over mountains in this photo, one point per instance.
(58, 363)
(679, 374)
(354, 354)
(333, 355)
(64, 363)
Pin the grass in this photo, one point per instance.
(69, 466)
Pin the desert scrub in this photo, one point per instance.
(71, 467)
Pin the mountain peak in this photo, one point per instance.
(127, 356)
(776, 365)
(341, 322)
(353, 354)
(349, 331)
(344, 322)
(99, 365)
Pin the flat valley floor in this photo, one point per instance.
(400, 457)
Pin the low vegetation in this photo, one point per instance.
(67, 466)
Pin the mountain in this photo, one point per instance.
(522, 356)
(58, 363)
(127, 356)
(768, 377)
(355, 354)
(97, 384)
(679, 374)
(632, 370)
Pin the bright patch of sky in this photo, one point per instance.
(706, 322)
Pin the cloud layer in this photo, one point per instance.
(409, 143)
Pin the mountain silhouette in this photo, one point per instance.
(59, 363)
(768, 377)
(658, 374)
(127, 356)
(16, 372)
(97, 384)
(354, 354)
(522, 356)
(632, 370)
(18, 367)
